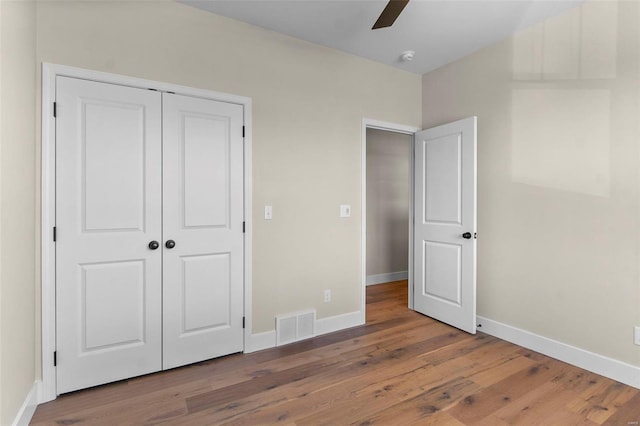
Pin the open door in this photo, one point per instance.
(445, 224)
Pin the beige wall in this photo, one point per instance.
(558, 107)
(308, 106)
(387, 201)
(17, 211)
(558, 174)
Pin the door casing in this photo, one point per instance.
(47, 388)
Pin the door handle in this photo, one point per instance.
(467, 235)
(154, 245)
(170, 244)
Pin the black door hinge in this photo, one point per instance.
(243, 131)
(55, 358)
(54, 234)
(55, 109)
(243, 322)
(244, 227)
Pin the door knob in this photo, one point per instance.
(467, 235)
(170, 244)
(154, 245)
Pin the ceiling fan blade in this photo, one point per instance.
(390, 14)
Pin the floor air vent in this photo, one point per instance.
(293, 327)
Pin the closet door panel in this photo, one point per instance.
(203, 215)
(108, 209)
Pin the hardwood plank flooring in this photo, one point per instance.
(401, 368)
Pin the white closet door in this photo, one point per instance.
(108, 210)
(202, 215)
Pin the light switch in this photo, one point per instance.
(268, 212)
(345, 210)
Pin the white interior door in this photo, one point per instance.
(445, 223)
(108, 210)
(203, 229)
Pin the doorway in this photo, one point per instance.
(387, 228)
(388, 207)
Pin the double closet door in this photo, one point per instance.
(149, 231)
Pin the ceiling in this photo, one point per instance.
(439, 31)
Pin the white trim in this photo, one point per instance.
(260, 341)
(387, 278)
(599, 364)
(28, 407)
(248, 209)
(391, 127)
(55, 70)
(339, 322)
(47, 391)
(412, 221)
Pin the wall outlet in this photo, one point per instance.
(268, 212)
(345, 210)
(636, 335)
(327, 296)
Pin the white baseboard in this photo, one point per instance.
(387, 278)
(599, 364)
(43, 395)
(28, 407)
(339, 322)
(259, 341)
(266, 340)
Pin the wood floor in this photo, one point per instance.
(400, 368)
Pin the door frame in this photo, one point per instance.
(47, 388)
(368, 123)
